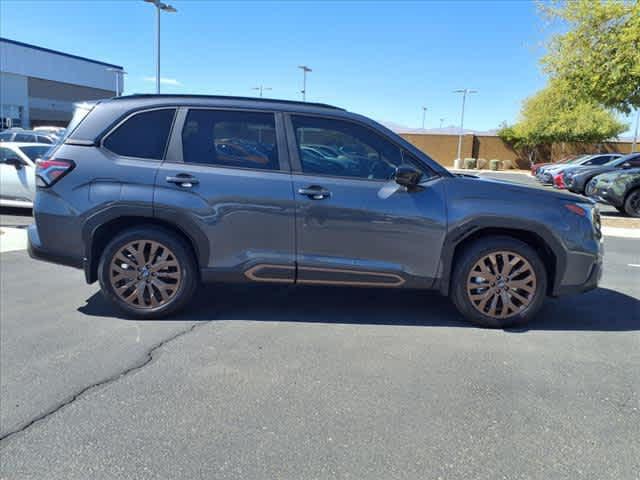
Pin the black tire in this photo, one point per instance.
(181, 255)
(632, 203)
(477, 251)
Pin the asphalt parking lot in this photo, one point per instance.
(257, 382)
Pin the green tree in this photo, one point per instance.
(554, 115)
(598, 56)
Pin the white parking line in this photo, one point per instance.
(12, 239)
(634, 265)
(621, 232)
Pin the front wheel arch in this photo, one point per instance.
(543, 242)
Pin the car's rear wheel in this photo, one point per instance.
(632, 203)
(499, 282)
(147, 272)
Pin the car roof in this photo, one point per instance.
(222, 100)
(106, 113)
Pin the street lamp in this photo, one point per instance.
(165, 8)
(424, 114)
(635, 135)
(118, 73)
(464, 92)
(441, 122)
(304, 69)
(261, 88)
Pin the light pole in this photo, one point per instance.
(118, 72)
(424, 115)
(261, 88)
(441, 122)
(304, 69)
(165, 8)
(635, 135)
(464, 92)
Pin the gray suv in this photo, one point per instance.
(153, 194)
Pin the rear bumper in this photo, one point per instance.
(38, 252)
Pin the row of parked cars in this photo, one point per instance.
(19, 150)
(608, 178)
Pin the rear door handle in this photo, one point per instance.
(315, 192)
(183, 180)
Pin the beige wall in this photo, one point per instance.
(443, 148)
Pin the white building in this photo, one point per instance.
(39, 86)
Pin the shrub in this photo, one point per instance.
(494, 164)
(470, 163)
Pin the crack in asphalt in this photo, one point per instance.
(147, 359)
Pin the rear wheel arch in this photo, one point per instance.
(101, 235)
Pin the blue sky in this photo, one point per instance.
(382, 59)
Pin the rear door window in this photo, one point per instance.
(143, 135)
(230, 139)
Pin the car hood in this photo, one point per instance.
(591, 170)
(492, 186)
(610, 176)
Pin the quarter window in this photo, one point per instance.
(231, 139)
(144, 135)
(345, 149)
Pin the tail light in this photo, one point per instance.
(558, 180)
(50, 171)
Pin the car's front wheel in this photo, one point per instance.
(632, 203)
(498, 282)
(147, 272)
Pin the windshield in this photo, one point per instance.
(620, 160)
(35, 152)
(580, 159)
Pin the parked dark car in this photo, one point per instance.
(139, 195)
(620, 188)
(576, 179)
(546, 175)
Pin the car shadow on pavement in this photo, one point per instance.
(600, 310)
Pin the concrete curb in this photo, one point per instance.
(12, 239)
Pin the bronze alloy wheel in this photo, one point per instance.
(145, 274)
(501, 284)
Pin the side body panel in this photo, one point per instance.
(392, 237)
(241, 218)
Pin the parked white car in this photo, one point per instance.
(17, 172)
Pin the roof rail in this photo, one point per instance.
(225, 97)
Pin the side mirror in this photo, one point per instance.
(626, 165)
(16, 162)
(407, 176)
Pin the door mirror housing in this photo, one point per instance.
(15, 161)
(407, 176)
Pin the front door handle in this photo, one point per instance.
(315, 192)
(183, 180)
